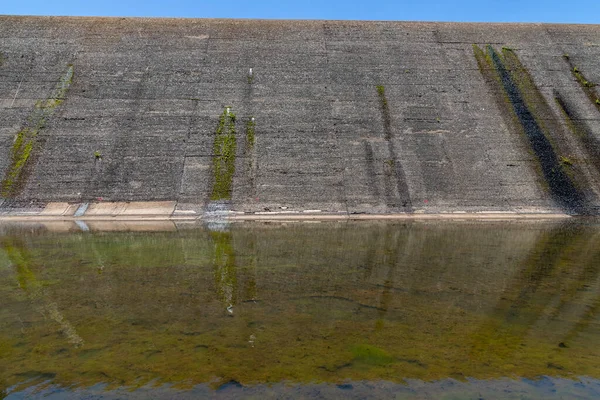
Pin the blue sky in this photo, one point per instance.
(573, 11)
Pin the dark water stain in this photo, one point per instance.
(560, 184)
(590, 143)
(370, 166)
(402, 201)
(536, 120)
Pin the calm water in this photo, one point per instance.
(320, 310)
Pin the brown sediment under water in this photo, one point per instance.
(409, 309)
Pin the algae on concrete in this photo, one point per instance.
(582, 132)
(224, 148)
(25, 141)
(586, 85)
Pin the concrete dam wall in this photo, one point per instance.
(342, 117)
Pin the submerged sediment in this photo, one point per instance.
(297, 303)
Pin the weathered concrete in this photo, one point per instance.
(137, 121)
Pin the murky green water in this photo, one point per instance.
(319, 310)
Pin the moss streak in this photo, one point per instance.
(25, 141)
(224, 148)
(590, 144)
(587, 86)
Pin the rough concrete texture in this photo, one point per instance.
(138, 120)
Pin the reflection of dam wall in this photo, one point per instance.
(348, 116)
(322, 302)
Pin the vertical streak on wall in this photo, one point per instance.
(247, 189)
(370, 166)
(533, 115)
(191, 125)
(589, 142)
(587, 86)
(251, 154)
(25, 146)
(114, 175)
(224, 148)
(394, 165)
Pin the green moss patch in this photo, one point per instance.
(582, 132)
(586, 85)
(26, 139)
(371, 355)
(224, 148)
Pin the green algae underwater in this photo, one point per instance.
(331, 303)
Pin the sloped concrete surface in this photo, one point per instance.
(139, 118)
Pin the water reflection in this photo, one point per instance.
(225, 269)
(18, 255)
(334, 303)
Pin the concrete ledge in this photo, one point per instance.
(291, 217)
(59, 209)
(166, 210)
(138, 208)
(439, 216)
(97, 209)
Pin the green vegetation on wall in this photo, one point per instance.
(587, 86)
(224, 148)
(25, 141)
